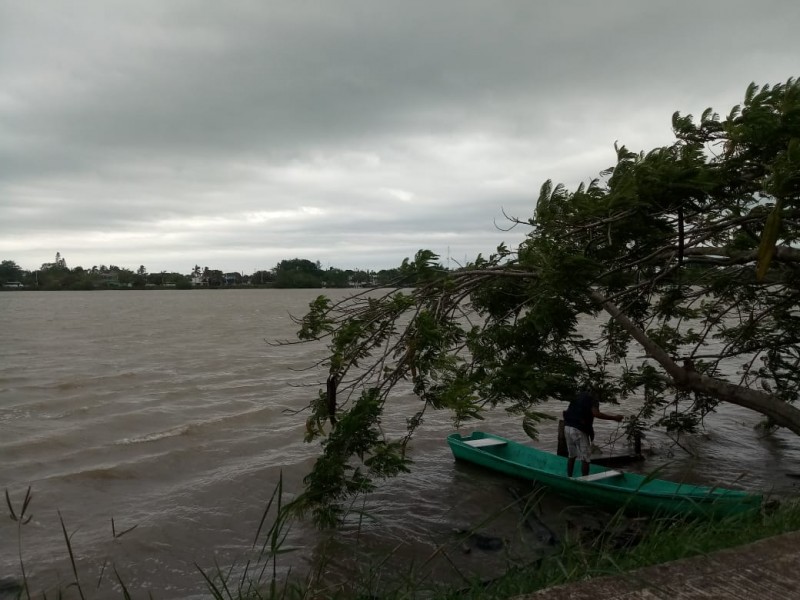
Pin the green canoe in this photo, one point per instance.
(606, 487)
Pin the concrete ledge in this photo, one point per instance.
(768, 568)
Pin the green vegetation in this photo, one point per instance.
(688, 250)
(609, 553)
(621, 545)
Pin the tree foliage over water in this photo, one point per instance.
(685, 254)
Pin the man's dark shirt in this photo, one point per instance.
(579, 413)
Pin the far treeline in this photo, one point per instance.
(294, 273)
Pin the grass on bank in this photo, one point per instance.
(612, 551)
(662, 540)
(574, 559)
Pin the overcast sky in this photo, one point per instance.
(236, 134)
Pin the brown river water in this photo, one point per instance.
(170, 412)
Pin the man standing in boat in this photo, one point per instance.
(578, 428)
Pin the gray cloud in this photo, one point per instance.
(238, 134)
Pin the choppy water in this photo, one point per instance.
(170, 412)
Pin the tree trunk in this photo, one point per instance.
(778, 411)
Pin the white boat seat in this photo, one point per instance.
(484, 442)
(599, 476)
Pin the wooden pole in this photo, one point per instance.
(562, 440)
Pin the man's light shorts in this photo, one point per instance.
(578, 444)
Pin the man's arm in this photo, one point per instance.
(601, 415)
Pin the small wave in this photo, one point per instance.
(152, 437)
(102, 473)
(66, 386)
(76, 382)
(203, 426)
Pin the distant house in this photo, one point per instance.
(109, 279)
(59, 262)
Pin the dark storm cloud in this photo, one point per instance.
(241, 131)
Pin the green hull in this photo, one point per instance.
(629, 491)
